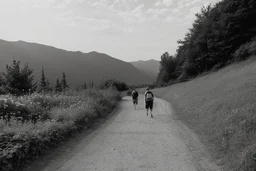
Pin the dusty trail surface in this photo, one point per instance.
(131, 141)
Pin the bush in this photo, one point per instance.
(58, 117)
(2, 90)
(245, 51)
(13, 109)
(120, 86)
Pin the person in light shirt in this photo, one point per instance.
(149, 100)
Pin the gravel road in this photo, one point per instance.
(131, 141)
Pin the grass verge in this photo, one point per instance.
(220, 107)
(59, 116)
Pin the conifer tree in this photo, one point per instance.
(19, 81)
(58, 87)
(44, 84)
(1, 80)
(64, 82)
(84, 86)
(91, 84)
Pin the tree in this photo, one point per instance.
(167, 69)
(2, 82)
(58, 86)
(44, 84)
(84, 86)
(217, 37)
(64, 82)
(112, 83)
(1, 79)
(91, 84)
(19, 81)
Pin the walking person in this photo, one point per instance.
(149, 100)
(135, 95)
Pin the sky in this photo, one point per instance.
(129, 30)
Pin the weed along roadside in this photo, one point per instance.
(56, 118)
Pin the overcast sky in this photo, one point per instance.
(126, 29)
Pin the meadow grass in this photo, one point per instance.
(61, 115)
(221, 108)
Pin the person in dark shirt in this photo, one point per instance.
(135, 95)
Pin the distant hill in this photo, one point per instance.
(149, 68)
(79, 67)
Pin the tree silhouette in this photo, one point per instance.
(44, 84)
(64, 82)
(58, 86)
(19, 81)
(84, 86)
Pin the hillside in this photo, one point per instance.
(220, 108)
(221, 34)
(149, 68)
(78, 66)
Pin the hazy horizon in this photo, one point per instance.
(129, 30)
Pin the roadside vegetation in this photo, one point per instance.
(212, 78)
(34, 119)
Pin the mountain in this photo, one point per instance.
(149, 68)
(78, 66)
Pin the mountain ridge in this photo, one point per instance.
(148, 67)
(79, 66)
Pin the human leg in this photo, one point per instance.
(147, 107)
(151, 108)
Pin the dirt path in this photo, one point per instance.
(131, 141)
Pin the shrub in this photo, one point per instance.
(2, 90)
(58, 117)
(245, 51)
(120, 86)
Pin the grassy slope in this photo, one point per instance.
(220, 107)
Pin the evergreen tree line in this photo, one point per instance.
(221, 34)
(20, 81)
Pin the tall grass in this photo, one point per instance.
(58, 116)
(220, 108)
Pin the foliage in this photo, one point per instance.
(19, 81)
(218, 32)
(58, 86)
(1, 80)
(59, 116)
(91, 85)
(64, 82)
(2, 83)
(84, 86)
(44, 84)
(245, 51)
(167, 70)
(118, 85)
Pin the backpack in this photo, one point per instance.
(149, 95)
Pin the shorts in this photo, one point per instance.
(135, 101)
(149, 104)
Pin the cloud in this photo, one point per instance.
(169, 19)
(164, 3)
(135, 15)
(106, 26)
